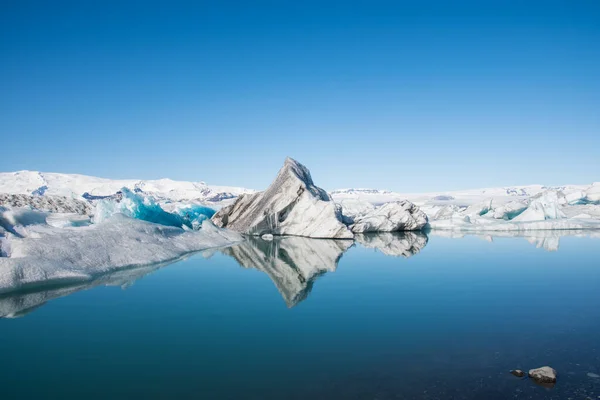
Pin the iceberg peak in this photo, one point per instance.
(291, 205)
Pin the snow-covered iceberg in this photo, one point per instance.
(592, 194)
(548, 210)
(292, 263)
(38, 254)
(542, 207)
(391, 217)
(291, 205)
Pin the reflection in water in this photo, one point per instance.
(405, 244)
(548, 240)
(18, 304)
(292, 263)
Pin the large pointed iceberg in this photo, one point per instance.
(292, 205)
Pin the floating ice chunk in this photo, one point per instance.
(542, 207)
(353, 208)
(479, 209)
(575, 197)
(139, 207)
(447, 212)
(592, 194)
(509, 210)
(74, 255)
(194, 214)
(391, 217)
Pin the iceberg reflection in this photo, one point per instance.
(18, 304)
(548, 240)
(405, 244)
(292, 263)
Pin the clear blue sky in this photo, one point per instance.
(409, 96)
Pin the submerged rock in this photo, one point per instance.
(291, 205)
(391, 217)
(543, 375)
(518, 373)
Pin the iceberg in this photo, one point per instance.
(39, 254)
(194, 214)
(391, 217)
(542, 207)
(509, 210)
(291, 205)
(592, 194)
(145, 208)
(352, 209)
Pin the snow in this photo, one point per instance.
(291, 205)
(40, 254)
(75, 186)
(391, 217)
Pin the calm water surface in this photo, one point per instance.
(388, 317)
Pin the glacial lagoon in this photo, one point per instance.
(388, 316)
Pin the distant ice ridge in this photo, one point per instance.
(533, 207)
(89, 187)
(35, 253)
(544, 211)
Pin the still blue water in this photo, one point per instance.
(446, 318)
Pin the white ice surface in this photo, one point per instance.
(74, 185)
(41, 254)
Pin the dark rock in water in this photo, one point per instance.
(543, 375)
(518, 373)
